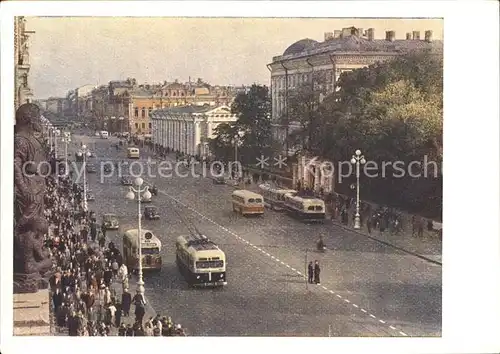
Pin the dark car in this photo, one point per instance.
(90, 196)
(127, 181)
(110, 221)
(219, 180)
(91, 168)
(151, 213)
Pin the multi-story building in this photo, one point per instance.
(320, 64)
(348, 49)
(188, 128)
(23, 93)
(126, 106)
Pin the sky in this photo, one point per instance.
(69, 52)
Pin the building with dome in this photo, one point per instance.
(342, 50)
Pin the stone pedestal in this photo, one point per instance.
(32, 314)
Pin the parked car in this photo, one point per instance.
(90, 196)
(219, 180)
(110, 221)
(91, 168)
(126, 181)
(151, 213)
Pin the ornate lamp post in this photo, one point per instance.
(357, 159)
(57, 132)
(85, 153)
(66, 139)
(237, 141)
(121, 124)
(131, 196)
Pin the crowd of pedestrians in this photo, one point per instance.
(84, 301)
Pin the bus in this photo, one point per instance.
(150, 249)
(274, 198)
(305, 207)
(247, 203)
(133, 153)
(200, 261)
(104, 134)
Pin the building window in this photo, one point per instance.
(143, 112)
(143, 125)
(150, 109)
(149, 125)
(136, 112)
(136, 125)
(182, 94)
(173, 94)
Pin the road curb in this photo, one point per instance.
(386, 243)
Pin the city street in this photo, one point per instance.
(367, 288)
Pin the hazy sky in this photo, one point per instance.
(68, 52)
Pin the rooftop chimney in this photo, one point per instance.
(370, 33)
(416, 34)
(408, 35)
(428, 36)
(390, 36)
(337, 33)
(328, 36)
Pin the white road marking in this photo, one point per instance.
(269, 255)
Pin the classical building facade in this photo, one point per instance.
(342, 50)
(188, 128)
(23, 93)
(320, 64)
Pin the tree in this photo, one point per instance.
(254, 122)
(222, 145)
(392, 111)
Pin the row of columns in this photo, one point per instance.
(177, 134)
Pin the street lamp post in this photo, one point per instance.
(85, 154)
(131, 196)
(66, 139)
(358, 160)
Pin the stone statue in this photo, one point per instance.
(31, 263)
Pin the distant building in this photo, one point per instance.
(342, 50)
(127, 106)
(23, 93)
(188, 128)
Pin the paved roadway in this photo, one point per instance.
(367, 289)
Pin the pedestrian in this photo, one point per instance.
(317, 270)
(126, 301)
(369, 224)
(140, 309)
(310, 272)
